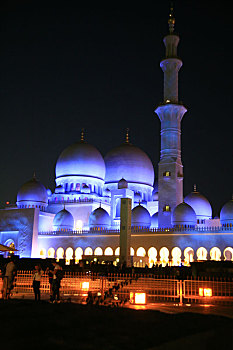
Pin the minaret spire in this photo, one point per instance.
(82, 135)
(170, 113)
(127, 136)
(171, 19)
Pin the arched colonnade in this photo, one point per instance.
(163, 256)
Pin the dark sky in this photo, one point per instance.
(66, 66)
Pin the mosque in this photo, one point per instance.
(81, 219)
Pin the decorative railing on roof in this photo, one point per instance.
(135, 230)
(77, 201)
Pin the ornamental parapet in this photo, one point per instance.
(135, 230)
(77, 201)
(65, 232)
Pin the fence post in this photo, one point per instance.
(181, 292)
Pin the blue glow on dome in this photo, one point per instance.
(32, 193)
(200, 205)
(81, 159)
(129, 162)
(183, 214)
(63, 220)
(140, 217)
(226, 214)
(99, 218)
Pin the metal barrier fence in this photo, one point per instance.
(155, 287)
(204, 290)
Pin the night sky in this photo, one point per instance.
(66, 66)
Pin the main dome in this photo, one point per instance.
(128, 162)
(80, 159)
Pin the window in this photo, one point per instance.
(77, 187)
(167, 208)
(167, 173)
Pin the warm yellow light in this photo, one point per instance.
(85, 286)
(140, 298)
(205, 292)
(79, 225)
(137, 298)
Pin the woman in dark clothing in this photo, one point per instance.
(36, 281)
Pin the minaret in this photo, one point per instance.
(170, 112)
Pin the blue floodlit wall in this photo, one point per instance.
(19, 225)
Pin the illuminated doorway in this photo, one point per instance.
(215, 254)
(152, 254)
(164, 256)
(188, 256)
(176, 256)
(78, 255)
(201, 254)
(69, 255)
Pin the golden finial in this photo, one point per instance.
(34, 176)
(171, 20)
(82, 135)
(194, 188)
(127, 136)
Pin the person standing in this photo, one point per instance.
(38, 272)
(8, 279)
(56, 283)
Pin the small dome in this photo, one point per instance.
(226, 214)
(63, 220)
(122, 184)
(81, 159)
(32, 193)
(155, 221)
(99, 218)
(128, 162)
(183, 215)
(140, 217)
(200, 205)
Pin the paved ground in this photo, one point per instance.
(166, 307)
(69, 325)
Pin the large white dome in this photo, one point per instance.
(81, 159)
(128, 162)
